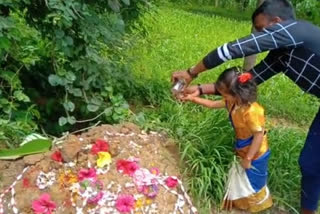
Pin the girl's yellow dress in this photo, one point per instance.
(247, 188)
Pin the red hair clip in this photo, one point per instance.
(245, 77)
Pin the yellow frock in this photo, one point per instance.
(247, 120)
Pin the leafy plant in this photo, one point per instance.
(62, 64)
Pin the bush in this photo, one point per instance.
(61, 62)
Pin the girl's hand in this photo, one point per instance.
(187, 98)
(245, 163)
(192, 90)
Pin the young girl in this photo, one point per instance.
(247, 184)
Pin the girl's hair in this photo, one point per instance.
(239, 85)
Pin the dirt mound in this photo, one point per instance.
(142, 175)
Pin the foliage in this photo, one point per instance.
(309, 9)
(61, 62)
(305, 9)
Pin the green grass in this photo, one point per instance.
(178, 37)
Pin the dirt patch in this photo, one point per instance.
(154, 154)
(282, 122)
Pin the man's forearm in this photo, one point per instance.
(197, 69)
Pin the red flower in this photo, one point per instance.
(127, 167)
(56, 156)
(99, 146)
(171, 182)
(245, 77)
(26, 183)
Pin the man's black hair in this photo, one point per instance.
(273, 8)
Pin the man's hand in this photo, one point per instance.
(245, 163)
(181, 75)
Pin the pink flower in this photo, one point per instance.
(56, 156)
(171, 182)
(125, 203)
(155, 171)
(127, 167)
(43, 205)
(89, 174)
(99, 146)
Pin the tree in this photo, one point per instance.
(216, 3)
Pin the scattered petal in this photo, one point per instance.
(99, 146)
(26, 182)
(87, 174)
(127, 167)
(155, 171)
(56, 156)
(125, 203)
(171, 182)
(104, 159)
(43, 205)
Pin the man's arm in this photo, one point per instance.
(268, 67)
(281, 35)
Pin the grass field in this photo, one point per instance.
(176, 37)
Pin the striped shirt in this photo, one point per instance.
(294, 50)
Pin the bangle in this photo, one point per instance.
(200, 89)
(189, 71)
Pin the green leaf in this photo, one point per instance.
(33, 147)
(114, 5)
(92, 107)
(54, 80)
(127, 2)
(4, 43)
(68, 40)
(21, 96)
(69, 106)
(71, 76)
(96, 101)
(62, 121)
(11, 78)
(118, 110)
(108, 111)
(59, 33)
(72, 120)
(76, 92)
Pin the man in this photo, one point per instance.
(294, 50)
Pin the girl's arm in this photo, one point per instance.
(205, 102)
(254, 148)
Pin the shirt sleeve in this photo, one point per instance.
(280, 35)
(254, 119)
(268, 67)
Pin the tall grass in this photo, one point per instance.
(176, 38)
